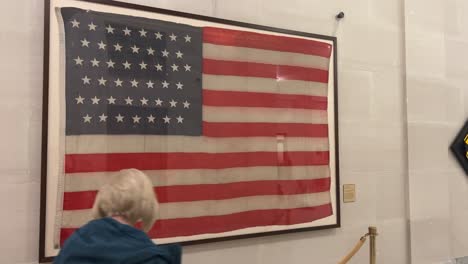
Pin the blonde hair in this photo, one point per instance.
(129, 194)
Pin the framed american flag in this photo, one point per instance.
(235, 123)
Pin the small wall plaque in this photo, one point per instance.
(349, 193)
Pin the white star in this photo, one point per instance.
(75, 23)
(85, 43)
(167, 119)
(158, 67)
(150, 51)
(118, 82)
(87, 118)
(102, 81)
(127, 65)
(118, 47)
(95, 62)
(175, 67)
(151, 119)
(150, 84)
(136, 119)
(179, 54)
(128, 100)
(92, 26)
(143, 65)
(110, 29)
(127, 31)
(78, 61)
(179, 86)
(79, 100)
(180, 119)
(110, 64)
(165, 84)
(142, 33)
(134, 83)
(111, 100)
(187, 67)
(102, 118)
(86, 80)
(173, 103)
(119, 118)
(95, 100)
(159, 102)
(173, 37)
(135, 49)
(144, 101)
(165, 53)
(158, 35)
(102, 45)
(188, 38)
(186, 104)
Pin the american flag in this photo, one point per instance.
(230, 125)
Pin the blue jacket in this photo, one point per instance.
(108, 241)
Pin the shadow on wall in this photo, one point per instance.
(251, 242)
(463, 260)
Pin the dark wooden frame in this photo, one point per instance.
(45, 112)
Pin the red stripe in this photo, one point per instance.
(184, 193)
(65, 233)
(264, 130)
(163, 161)
(246, 39)
(253, 69)
(250, 99)
(224, 223)
(78, 200)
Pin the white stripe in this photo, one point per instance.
(77, 218)
(85, 144)
(263, 85)
(231, 53)
(264, 115)
(76, 182)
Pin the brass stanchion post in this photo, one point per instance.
(372, 236)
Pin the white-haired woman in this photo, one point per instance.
(111, 237)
